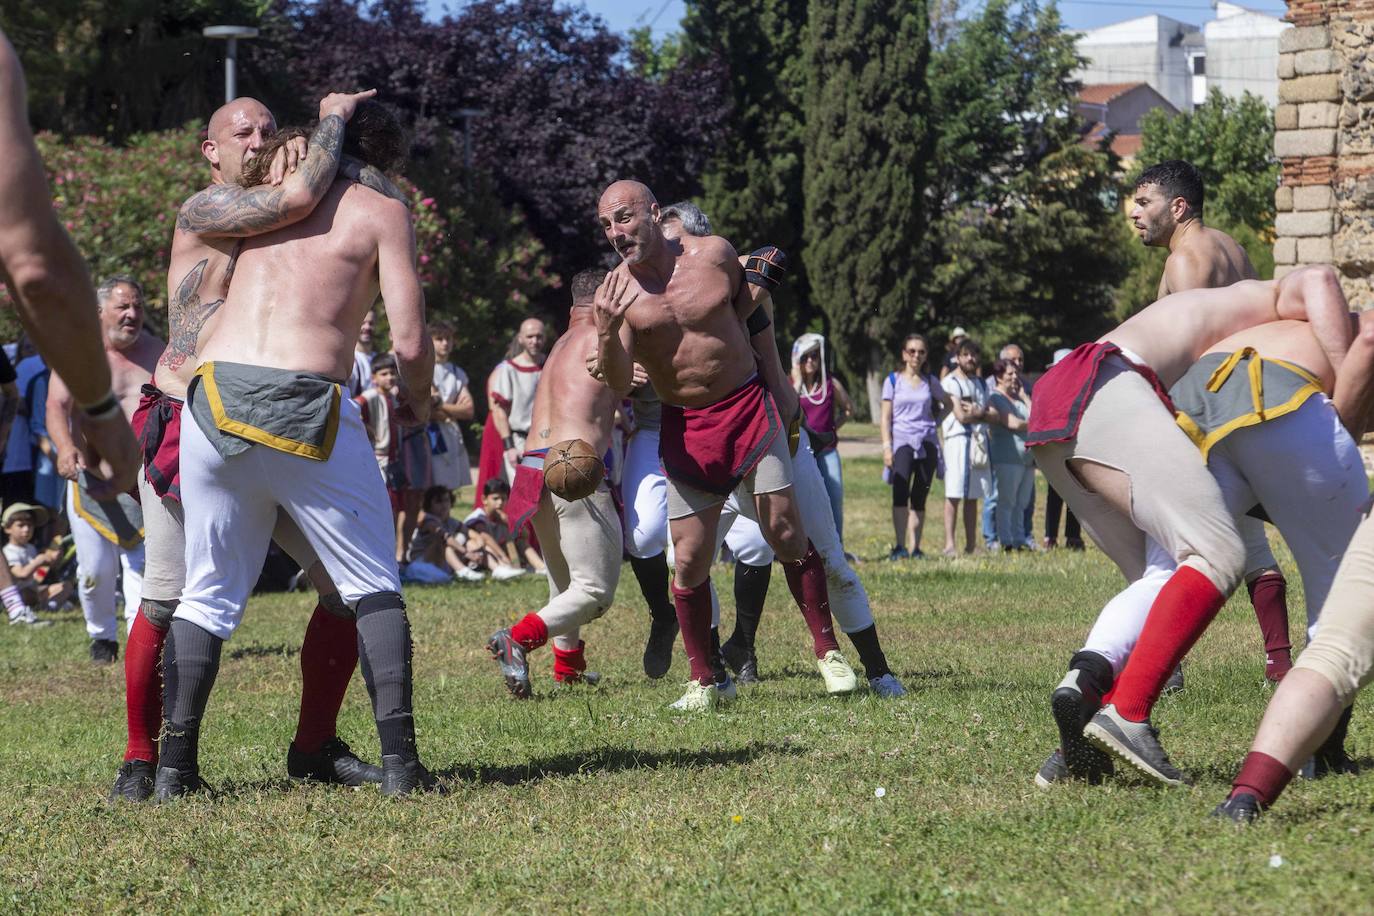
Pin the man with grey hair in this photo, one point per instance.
(1013, 354)
(107, 533)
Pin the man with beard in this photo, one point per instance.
(683, 310)
(272, 430)
(204, 251)
(107, 534)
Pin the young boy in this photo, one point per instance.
(501, 550)
(20, 521)
(378, 405)
(441, 546)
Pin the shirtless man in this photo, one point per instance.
(271, 429)
(681, 308)
(581, 539)
(209, 233)
(52, 290)
(107, 534)
(1103, 432)
(1168, 214)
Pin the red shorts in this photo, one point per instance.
(713, 448)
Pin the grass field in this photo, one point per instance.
(600, 800)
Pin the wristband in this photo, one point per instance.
(509, 441)
(103, 409)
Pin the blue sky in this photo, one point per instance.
(664, 15)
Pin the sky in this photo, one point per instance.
(664, 15)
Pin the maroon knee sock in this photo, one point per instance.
(143, 686)
(530, 632)
(693, 606)
(1263, 777)
(1184, 607)
(329, 654)
(1269, 595)
(568, 664)
(806, 579)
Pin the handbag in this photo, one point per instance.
(977, 439)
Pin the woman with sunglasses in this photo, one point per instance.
(913, 403)
(825, 407)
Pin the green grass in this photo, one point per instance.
(600, 800)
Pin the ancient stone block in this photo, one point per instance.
(1314, 251)
(1324, 61)
(1309, 38)
(1312, 197)
(1285, 251)
(1318, 114)
(1323, 88)
(1283, 199)
(1287, 66)
(1314, 142)
(1312, 222)
(1286, 117)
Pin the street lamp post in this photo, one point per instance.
(231, 34)
(467, 114)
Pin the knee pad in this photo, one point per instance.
(333, 604)
(159, 613)
(378, 601)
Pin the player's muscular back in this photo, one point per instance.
(1291, 341)
(687, 333)
(197, 282)
(569, 403)
(299, 293)
(1209, 258)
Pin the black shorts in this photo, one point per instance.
(912, 476)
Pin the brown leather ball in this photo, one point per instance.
(572, 470)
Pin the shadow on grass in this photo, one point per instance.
(283, 650)
(1224, 772)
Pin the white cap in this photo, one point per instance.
(1059, 355)
(957, 332)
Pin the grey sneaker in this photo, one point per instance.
(1175, 682)
(1071, 709)
(1137, 743)
(887, 686)
(1052, 771)
(28, 618)
(510, 658)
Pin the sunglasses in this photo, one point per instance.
(912, 352)
(811, 355)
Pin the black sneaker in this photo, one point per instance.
(172, 783)
(510, 657)
(402, 777)
(334, 763)
(1053, 770)
(741, 661)
(898, 553)
(134, 782)
(1241, 809)
(658, 651)
(1136, 743)
(1071, 709)
(1175, 682)
(104, 651)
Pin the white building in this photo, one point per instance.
(1238, 51)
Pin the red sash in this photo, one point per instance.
(713, 448)
(529, 487)
(1063, 393)
(157, 426)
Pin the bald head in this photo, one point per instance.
(235, 132)
(629, 217)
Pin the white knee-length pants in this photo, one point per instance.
(582, 545)
(231, 506)
(99, 563)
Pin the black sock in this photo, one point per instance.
(870, 651)
(1095, 680)
(751, 589)
(190, 663)
(1333, 748)
(652, 574)
(384, 652)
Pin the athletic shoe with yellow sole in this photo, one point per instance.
(838, 674)
(704, 697)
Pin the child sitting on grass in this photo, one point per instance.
(27, 566)
(441, 548)
(501, 550)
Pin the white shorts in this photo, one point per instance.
(231, 505)
(961, 480)
(582, 547)
(645, 492)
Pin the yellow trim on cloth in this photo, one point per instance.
(227, 424)
(99, 522)
(1261, 412)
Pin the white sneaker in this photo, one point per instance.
(27, 617)
(837, 673)
(704, 697)
(468, 574)
(506, 573)
(887, 686)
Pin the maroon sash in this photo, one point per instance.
(157, 426)
(1062, 394)
(713, 448)
(529, 487)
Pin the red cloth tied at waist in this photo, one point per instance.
(157, 426)
(529, 487)
(713, 448)
(1062, 394)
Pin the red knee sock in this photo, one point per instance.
(1263, 777)
(143, 686)
(1269, 595)
(693, 606)
(1181, 612)
(530, 632)
(806, 579)
(568, 664)
(328, 656)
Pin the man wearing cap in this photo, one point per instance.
(951, 360)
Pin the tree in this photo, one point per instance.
(865, 138)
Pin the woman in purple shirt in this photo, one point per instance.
(825, 408)
(913, 403)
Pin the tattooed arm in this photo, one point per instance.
(227, 210)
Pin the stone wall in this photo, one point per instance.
(1325, 138)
